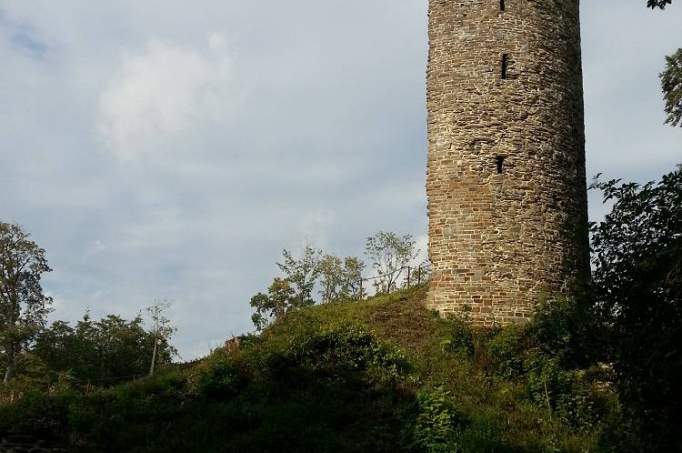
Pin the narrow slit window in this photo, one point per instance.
(505, 66)
(499, 161)
(502, 5)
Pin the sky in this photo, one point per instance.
(162, 150)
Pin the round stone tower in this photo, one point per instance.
(506, 168)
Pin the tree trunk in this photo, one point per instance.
(11, 365)
(151, 368)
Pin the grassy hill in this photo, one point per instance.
(382, 375)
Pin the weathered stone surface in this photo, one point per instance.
(506, 169)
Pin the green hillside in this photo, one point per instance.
(378, 375)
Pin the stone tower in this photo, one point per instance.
(506, 168)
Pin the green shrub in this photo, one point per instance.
(218, 378)
(506, 350)
(462, 338)
(438, 423)
(343, 351)
(565, 328)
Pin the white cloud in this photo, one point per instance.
(157, 97)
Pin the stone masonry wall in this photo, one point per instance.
(506, 169)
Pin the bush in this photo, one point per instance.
(219, 377)
(505, 351)
(438, 423)
(462, 338)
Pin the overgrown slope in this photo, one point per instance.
(379, 375)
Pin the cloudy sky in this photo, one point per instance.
(159, 150)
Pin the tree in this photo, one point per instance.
(330, 269)
(161, 330)
(340, 279)
(637, 260)
(351, 279)
(671, 82)
(114, 349)
(270, 307)
(301, 274)
(389, 254)
(102, 352)
(57, 346)
(23, 306)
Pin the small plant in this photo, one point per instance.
(462, 338)
(505, 351)
(438, 422)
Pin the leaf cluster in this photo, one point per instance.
(637, 260)
(658, 3)
(23, 305)
(389, 254)
(339, 279)
(100, 352)
(671, 83)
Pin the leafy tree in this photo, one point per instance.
(351, 276)
(330, 269)
(58, 346)
(340, 279)
(102, 352)
(119, 348)
(637, 258)
(23, 306)
(161, 331)
(276, 303)
(389, 254)
(671, 81)
(301, 274)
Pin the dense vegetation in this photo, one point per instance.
(380, 375)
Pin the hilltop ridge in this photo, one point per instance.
(384, 374)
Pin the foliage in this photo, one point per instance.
(346, 349)
(161, 330)
(671, 83)
(351, 286)
(389, 253)
(370, 376)
(301, 273)
(331, 275)
(340, 279)
(103, 352)
(671, 78)
(637, 262)
(462, 339)
(505, 352)
(567, 329)
(273, 305)
(23, 306)
(436, 427)
(658, 3)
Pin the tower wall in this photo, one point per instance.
(506, 168)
